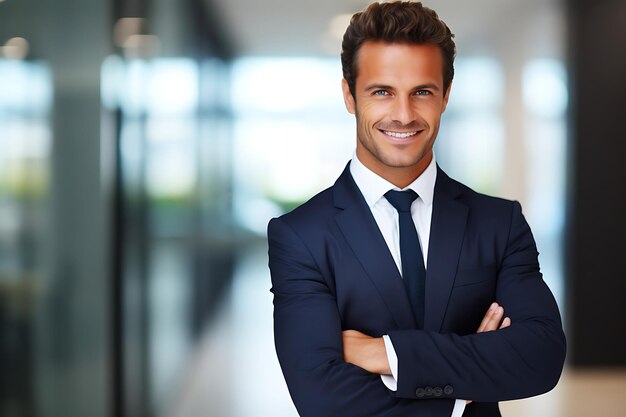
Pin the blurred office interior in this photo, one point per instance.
(145, 144)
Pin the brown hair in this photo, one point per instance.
(399, 21)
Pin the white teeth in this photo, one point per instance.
(399, 135)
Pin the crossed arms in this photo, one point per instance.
(319, 361)
(370, 354)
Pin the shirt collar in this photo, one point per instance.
(373, 187)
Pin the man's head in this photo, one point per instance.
(398, 66)
(396, 22)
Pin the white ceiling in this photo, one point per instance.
(301, 27)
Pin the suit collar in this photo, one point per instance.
(447, 186)
(447, 231)
(346, 192)
(359, 227)
(446, 237)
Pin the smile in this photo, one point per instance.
(399, 135)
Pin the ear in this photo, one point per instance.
(445, 98)
(348, 99)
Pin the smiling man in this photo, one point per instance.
(390, 287)
(401, 96)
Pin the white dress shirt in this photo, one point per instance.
(373, 188)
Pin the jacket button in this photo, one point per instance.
(428, 391)
(419, 393)
(448, 390)
(437, 391)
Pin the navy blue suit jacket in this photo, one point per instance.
(332, 270)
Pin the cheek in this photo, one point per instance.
(431, 114)
(364, 125)
(372, 111)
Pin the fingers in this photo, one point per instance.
(492, 318)
(485, 320)
(505, 323)
(487, 323)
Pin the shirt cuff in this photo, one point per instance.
(459, 407)
(391, 381)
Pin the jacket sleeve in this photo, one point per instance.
(523, 360)
(307, 332)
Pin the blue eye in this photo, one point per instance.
(422, 92)
(380, 93)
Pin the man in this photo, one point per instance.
(390, 287)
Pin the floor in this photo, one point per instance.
(580, 393)
(234, 371)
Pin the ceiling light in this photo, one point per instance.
(127, 27)
(15, 48)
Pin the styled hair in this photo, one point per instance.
(396, 22)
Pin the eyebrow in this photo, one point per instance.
(378, 87)
(371, 87)
(431, 86)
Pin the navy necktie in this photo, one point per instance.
(413, 270)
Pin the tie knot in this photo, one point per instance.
(401, 200)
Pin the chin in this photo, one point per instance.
(403, 160)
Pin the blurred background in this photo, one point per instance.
(145, 144)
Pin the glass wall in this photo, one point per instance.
(173, 225)
(116, 231)
(25, 136)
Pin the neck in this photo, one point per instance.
(401, 177)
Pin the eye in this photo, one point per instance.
(381, 93)
(422, 93)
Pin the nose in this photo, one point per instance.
(402, 110)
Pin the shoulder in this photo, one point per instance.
(485, 210)
(309, 217)
(313, 220)
(487, 204)
(492, 218)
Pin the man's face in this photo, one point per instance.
(398, 106)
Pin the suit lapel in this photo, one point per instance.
(446, 238)
(359, 227)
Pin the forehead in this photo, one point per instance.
(399, 63)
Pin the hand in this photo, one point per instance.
(365, 351)
(491, 321)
